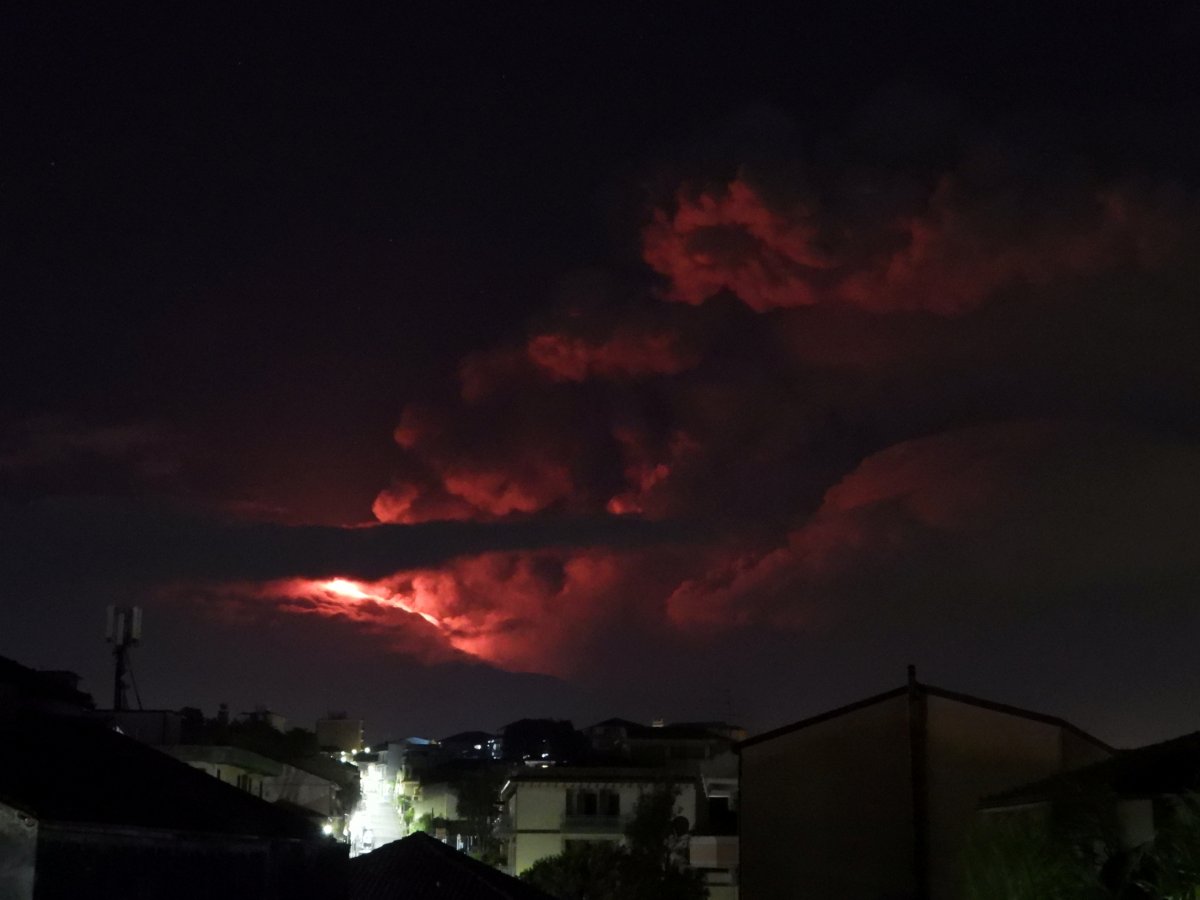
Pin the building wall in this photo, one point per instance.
(826, 810)
(972, 752)
(537, 816)
(250, 782)
(1078, 751)
(18, 853)
(303, 789)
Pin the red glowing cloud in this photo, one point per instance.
(625, 355)
(730, 240)
(949, 483)
(527, 611)
(646, 471)
(946, 257)
(786, 441)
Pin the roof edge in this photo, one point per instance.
(933, 691)
(822, 717)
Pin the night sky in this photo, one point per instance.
(455, 365)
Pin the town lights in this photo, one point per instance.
(327, 829)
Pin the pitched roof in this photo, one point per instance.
(224, 755)
(930, 691)
(1169, 767)
(419, 867)
(70, 770)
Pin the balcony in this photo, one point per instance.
(576, 824)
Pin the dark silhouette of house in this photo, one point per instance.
(420, 867)
(88, 812)
(23, 689)
(1138, 788)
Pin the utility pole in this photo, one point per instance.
(124, 632)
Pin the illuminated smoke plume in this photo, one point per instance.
(525, 611)
(625, 355)
(833, 441)
(948, 255)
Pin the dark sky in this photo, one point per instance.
(449, 367)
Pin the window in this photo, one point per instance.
(583, 802)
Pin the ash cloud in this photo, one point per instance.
(874, 389)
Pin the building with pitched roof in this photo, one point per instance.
(872, 801)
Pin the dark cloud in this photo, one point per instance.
(137, 543)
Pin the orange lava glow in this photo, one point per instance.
(356, 592)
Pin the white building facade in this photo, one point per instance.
(547, 809)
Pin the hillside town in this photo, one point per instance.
(915, 792)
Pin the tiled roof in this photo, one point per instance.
(420, 867)
(70, 770)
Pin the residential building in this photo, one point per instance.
(88, 812)
(300, 790)
(1137, 789)
(244, 769)
(872, 801)
(714, 845)
(547, 809)
(23, 689)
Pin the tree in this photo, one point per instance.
(477, 809)
(1170, 867)
(585, 870)
(1075, 853)
(1016, 858)
(648, 866)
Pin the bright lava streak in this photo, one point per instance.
(352, 590)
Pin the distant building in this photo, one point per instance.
(471, 745)
(873, 800)
(677, 744)
(339, 733)
(541, 742)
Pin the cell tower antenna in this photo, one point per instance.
(124, 632)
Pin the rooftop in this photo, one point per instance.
(1169, 767)
(420, 866)
(927, 690)
(76, 771)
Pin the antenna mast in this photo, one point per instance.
(124, 632)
